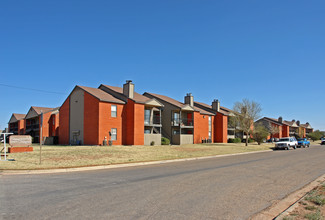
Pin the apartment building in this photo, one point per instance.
(16, 124)
(184, 123)
(222, 129)
(45, 118)
(90, 116)
(274, 126)
(308, 128)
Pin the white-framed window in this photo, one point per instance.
(113, 111)
(114, 134)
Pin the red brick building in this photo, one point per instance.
(50, 125)
(188, 122)
(16, 124)
(90, 116)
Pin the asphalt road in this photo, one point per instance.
(234, 187)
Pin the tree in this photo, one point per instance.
(260, 133)
(316, 135)
(246, 113)
(273, 129)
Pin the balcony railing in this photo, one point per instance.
(30, 127)
(155, 120)
(184, 122)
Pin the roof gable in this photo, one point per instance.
(154, 102)
(16, 117)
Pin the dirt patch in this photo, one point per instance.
(312, 206)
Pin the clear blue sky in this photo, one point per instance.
(272, 52)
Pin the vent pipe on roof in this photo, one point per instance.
(128, 89)
(280, 119)
(216, 105)
(189, 99)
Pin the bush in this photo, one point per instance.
(234, 140)
(165, 141)
(250, 140)
(260, 133)
(152, 143)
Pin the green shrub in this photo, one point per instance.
(234, 140)
(250, 140)
(165, 141)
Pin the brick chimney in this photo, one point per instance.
(128, 89)
(189, 99)
(298, 123)
(216, 105)
(280, 119)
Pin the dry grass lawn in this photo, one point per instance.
(79, 156)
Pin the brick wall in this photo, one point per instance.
(64, 121)
(201, 127)
(220, 128)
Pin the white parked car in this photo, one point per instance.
(286, 143)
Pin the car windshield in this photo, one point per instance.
(284, 139)
(301, 139)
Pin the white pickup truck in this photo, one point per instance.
(286, 143)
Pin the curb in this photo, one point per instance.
(281, 208)
(101, 167)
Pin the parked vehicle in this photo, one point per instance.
(323, 141)
(271, 140)
(303, 142)
(286, 143)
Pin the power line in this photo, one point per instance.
(37, 90)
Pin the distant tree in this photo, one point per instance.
(273, 130)
(316, 135)
(260, 133)
(246, 113)
(232, 124)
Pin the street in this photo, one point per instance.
(234, 187)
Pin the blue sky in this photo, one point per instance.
(272, 52)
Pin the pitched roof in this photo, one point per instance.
(179, 104)
(223, 110)
(19, 116)
(16, 117)
(38, 110)
(101, 95)
(306, 126)
(290, 123)
(273, 120)
(167, 99)
(138, 98)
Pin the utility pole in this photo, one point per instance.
(40, 139)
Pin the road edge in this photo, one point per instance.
(101, 167)
(279, 208)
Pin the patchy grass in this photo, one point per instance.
(79, 156)
(312, 206)
(314, 215)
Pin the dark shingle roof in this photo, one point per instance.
(136, 96)
(223, 110)
(179, 104)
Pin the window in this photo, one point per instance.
(113, 111)
(147, 116)
(114, 134)
(147, 131)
